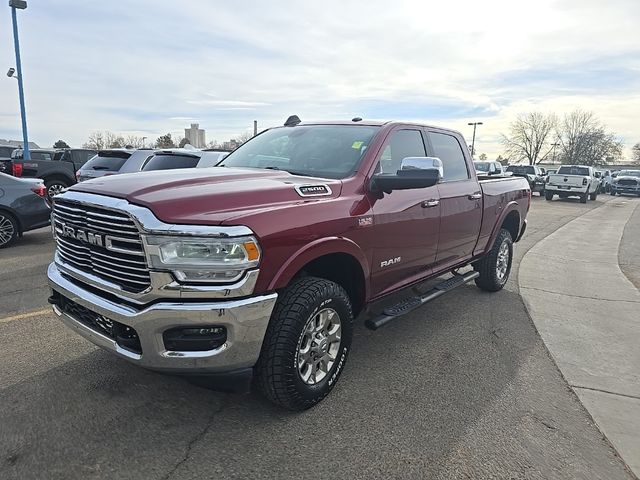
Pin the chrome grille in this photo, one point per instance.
(115, 252)
(627, 181)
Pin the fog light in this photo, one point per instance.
(194, 339)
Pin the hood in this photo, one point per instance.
(627, 177)
(210, 196)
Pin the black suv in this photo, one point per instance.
(533, 173)
(56, 167)
(5, 158)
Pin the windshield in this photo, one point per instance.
(573, 171)
(629, 173)
(328, 151)
(165, 161)
(481, 166)
(526, 169)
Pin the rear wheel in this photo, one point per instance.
(495, 268)
(55, 186)
(593, 196)
(584, 197)
(9, 230)
(306, 344)
(548, 195)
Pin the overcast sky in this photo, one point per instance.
(151, 67)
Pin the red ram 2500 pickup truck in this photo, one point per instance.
(256, 268)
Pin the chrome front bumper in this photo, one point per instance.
(246, 322)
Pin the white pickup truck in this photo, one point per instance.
(573, 181)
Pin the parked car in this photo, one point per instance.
(56, 167)
(183, 158)
(626, 181)
(5, 158)
(114, 161)
(573, 181)
(532, 173)
(488, 168)
(260, 265)
(23, 207)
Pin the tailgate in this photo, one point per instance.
(569, 180)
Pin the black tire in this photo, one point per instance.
(548, 195)
(583, 198)
(593, 196)
(613, 193)
(9, 229)
(53, 186)
(277, 373)
(489, 280)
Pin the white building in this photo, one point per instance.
(195, 135)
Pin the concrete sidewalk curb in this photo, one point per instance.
(587, 313)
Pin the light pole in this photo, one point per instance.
(554, 145)
(20, 5)
(144, 141)
(473, 141)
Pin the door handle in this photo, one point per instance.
(475, 196)
(430, 203)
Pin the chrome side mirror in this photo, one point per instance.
(423, 163)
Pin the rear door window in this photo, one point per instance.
(449, 151)
(168, 162)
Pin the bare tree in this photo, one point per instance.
(529, 137)
(134, 141)
(95, 141)
(584, 140)
(183, 142)
(243, 137)
(635, 153)
(483, 157)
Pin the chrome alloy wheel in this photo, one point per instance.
(55, 189)
(7, 230)
(503, 261)
(318, 346)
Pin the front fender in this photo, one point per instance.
(315, 250)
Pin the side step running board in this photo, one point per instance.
(410, 304)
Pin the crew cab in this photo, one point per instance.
(257, 267)
(533, 173)
(56, 167)
(573, 181)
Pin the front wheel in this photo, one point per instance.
(306, 344)
(613, 193)
(495, 268)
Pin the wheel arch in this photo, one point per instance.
(336, 259)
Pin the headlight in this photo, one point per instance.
(203, 259)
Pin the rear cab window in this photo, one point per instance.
(583, 171)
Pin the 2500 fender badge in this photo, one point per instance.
(313, 190)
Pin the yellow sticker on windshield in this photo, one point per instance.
(357, 145)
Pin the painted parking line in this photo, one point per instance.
(22, 316)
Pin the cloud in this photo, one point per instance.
(151, 67)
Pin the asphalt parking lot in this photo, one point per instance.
(462, 388)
